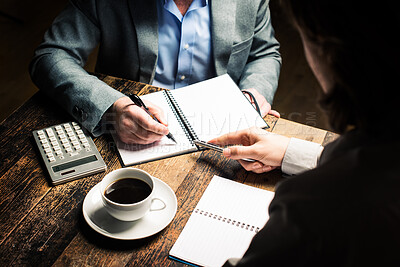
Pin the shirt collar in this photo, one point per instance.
(201, 2)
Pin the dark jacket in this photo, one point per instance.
(346, 212)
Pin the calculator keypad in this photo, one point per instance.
(65, 139)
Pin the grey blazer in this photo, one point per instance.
(127, 34)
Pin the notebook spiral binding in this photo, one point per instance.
(190, 133)
(228, 220)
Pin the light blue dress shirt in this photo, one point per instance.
(184, 45)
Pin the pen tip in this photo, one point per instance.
(169, 135)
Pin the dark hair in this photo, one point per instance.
(359, 42)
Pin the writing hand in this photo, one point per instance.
(266, 148)
(134, 126)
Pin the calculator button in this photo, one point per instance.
(47, 150)
(68, 149)
(73, 138)
(46, 145)
(66, 145)
(50, 132)
(75, 143)
(55, 143)
(52, 159)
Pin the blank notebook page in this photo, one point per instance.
(223, 223)
(215, 107)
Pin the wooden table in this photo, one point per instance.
(42, 225)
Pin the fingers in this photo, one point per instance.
(239, 137)
(139, 127)
(156, 111)
(240, 152)
(244, 137)
(145, 122)
(263, 104)
(266, 148)
(256, 167)
(134, 125)
(265, 107)
(274, 113)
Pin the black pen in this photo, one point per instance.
(140, 103)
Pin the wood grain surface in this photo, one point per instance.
(43, 225)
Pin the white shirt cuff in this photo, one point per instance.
(301, 156)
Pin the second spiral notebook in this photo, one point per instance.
(223, 223)
(204, 110)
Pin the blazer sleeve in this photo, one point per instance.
(57, 66)
(264, 60)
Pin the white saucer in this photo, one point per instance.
(98, 218)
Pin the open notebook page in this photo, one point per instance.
(215, 107)
(223, 223)
(135, 154)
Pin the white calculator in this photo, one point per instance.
(68, 152)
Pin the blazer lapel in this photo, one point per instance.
(222, 25)
(144, 16)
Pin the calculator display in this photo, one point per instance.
(74, 163)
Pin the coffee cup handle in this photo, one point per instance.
(157, 208)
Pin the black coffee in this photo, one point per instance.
(127, 191)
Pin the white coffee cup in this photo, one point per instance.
(132, 211)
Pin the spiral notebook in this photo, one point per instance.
(204, 110)
(223, 223)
